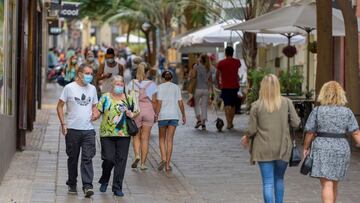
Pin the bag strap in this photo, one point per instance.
(291, 129)
(130, 107)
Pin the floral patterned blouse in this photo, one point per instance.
(113, 122)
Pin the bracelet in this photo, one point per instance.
(63, 123)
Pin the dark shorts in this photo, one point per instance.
(165, 123)
(229, 96)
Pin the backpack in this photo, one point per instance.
(142, 92)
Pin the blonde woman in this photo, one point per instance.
(328, 124)
(146, 101)
(114, 138)
(271, 142)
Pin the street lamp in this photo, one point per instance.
(146, 26)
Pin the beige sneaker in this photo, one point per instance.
(143, 167)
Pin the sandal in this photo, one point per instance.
(198, 124)
(135, 163)
(168, 169)
(161, 165)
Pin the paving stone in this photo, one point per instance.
(208, 167)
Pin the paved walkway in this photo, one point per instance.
(208, 167)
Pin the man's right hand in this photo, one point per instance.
(64, 130)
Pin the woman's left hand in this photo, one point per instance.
(129, 114)
(245, 141)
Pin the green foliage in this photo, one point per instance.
(137, 48)
(255, 77)
(295, 80)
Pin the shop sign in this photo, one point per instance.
(70, 10)
(55, 30)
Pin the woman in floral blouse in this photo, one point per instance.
(115, 140)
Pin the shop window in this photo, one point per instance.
(7, 51)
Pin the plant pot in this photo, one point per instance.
(289, 51)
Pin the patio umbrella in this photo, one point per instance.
(216, 34)
(298, 17)
(132, 39)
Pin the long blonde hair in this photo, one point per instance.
(269, 94)
(332, 93)
(141, 71)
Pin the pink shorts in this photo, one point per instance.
(146, 117)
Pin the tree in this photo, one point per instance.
(352, 84)
(324, 71)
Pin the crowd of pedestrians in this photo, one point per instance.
(93, 90)
(122, 90)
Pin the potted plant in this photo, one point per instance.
(255, 77)
(289, 51)
(312, 47)
(291, 83)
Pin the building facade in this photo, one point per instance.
(22, 66)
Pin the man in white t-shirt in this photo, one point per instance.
(80, 98)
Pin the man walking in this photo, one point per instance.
(80, 98)
(228, 79)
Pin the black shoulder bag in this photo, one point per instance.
(308, 161)
(132, 128)
(295, 157)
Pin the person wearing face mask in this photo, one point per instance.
(81, 99)
(69, 73)
(91, 61)
(108, 69)
(115, 140)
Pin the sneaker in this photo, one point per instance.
(72, 189)
(143, 167)
(118, 193)
(88, 192)
(198, 124)
(135, 163)
(161, 165)
(203, 127)
(103, 187)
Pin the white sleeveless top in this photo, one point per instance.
(113, 70)
(106, 85)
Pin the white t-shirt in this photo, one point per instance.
(79, 101)
(169, 94)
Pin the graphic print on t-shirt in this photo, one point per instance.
(83, 101)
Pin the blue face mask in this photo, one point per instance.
(118, 89)
(87, 79)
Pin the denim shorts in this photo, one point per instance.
(164, 123)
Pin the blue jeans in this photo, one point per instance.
(272, 173)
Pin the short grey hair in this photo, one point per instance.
(117, 78)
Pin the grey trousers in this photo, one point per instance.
(83, 140)
(201, 103)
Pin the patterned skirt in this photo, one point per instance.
(331, 158)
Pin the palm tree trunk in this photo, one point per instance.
(324, 71)
(352, 84)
